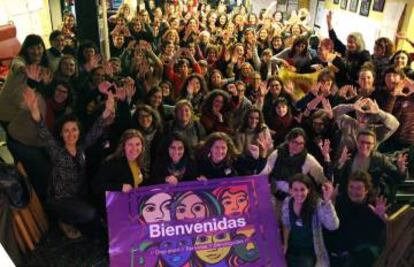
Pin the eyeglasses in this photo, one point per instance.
(297, 143)
(275, 85)
(362, 142)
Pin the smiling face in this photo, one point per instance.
(365, 145)
(133, 148)
(157, 208)
(213, 255)
(299, 191)
(296, 145)
(70, 133)
(218, 103)
(184, 115)
(253, 120)
(401, 60)
(281, 109)
(68, 67)
(191, 206)
(145, 119)
(61, 94)
(218, 151)
(35, 53)
(351, 44)
(357, 191)
(366, 79)
(392, 80)
(176, 151)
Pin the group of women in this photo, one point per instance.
(194, 95)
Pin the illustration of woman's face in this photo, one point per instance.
(234, 204)
(215, 254)
(182, 255)
(191, 206)
(157, 208)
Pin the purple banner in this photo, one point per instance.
(221, 222)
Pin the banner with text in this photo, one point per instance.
(221, 222)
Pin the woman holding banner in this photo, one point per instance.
(175, 163)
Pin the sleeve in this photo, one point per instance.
(269, 164)
(338, 45)
(389, 126)
(327, 215)
(49, 141)
(285, 213)
(315, 169)
(94, 132)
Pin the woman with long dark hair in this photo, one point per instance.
(303, 217)
(29, 69)
(175, 162)
(68, 195)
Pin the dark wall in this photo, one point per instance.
(87, 20)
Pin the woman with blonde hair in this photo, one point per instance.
(122, 171)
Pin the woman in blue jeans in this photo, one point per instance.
(67, 194)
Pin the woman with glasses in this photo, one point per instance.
(386, 175)
(289, 159)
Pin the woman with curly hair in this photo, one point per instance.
(194, 90)
(215, 115)
(175, 162)
(217, 157)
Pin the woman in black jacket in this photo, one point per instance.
(175, 162)
(122, 171)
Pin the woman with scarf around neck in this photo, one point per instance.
(186, 123)
(282, 120)
(220, 158)
(175, 163)
(291, 158)
(58, 103)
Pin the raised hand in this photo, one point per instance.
(404, 88)
(345, 156)
(32, 103)
(325, 147)
(254, 151)
(202, 178)
(109, 106)
(402, 162)
(327, 191)
(347, 92)
(327, 107)
(109, 69)
(313, 103)
(172, 180)
(380, 207)
(34, 72)
(373, 107)
(289, 87)
(126, 188)
(358, 105)
(46, 76)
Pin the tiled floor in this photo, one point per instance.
(57, 250)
